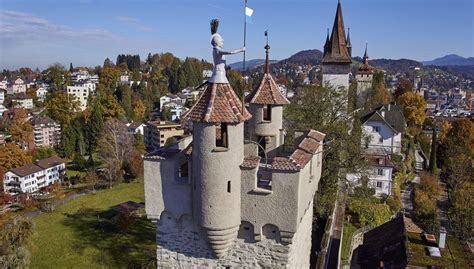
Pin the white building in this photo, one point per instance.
(32, 177)
(380, 172)
(82, 76)
(22, 100)
(47, 132)
(4, 84)
(181, 99)
(2, 99)
(16, 86)
(135, 128)
(82, 92)
(41, 93)
(383, 128)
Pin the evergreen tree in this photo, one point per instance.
(139, 143)
(126, 101)
(433, 167)
(94, 128)
(71, 69)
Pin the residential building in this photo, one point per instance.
(383, 128)
(33, 177)
(180, 99)
(83, 76)
(47, 132)
(41, 92)
(22, 100)
(336, 63)
(16, 86)
(157, 132)
(81, 93)
(379, 174)
(2, 99)
(176, 108)
(136, 127)
(4, 84)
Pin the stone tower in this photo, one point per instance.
(364, 79)
(266, 105)
(336, 64)
(215, 202)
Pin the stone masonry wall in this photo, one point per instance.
(186, 247)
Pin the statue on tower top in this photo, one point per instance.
(218, 54)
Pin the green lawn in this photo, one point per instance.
(419, 256)
(348, 230)
(69, 238)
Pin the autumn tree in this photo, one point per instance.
(21, 129)
(432, 166)
(445, 127)
(461, 211)
(61, 107)
(11, 156)
(404, 86)
(14, 240)
(378, 94)
(414, 107)
(139, 111)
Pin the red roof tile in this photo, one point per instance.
(284, 164)
(218, 103)
(267, 93)
(250, 162)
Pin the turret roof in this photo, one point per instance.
(337, 52)
(365, 68)
(218, 104)
(267, 92)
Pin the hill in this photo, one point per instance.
(312, 57)
(250, 64)
(451, 59)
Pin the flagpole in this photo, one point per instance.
(243, 65)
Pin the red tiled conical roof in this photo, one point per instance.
(218, 104)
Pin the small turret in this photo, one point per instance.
(348, 40)
(266, 106)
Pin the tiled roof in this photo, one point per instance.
(250, 162)
(162, 154)
(218, 103)
(50, 162)
(267, 93)
(42, 120)
(336, 51)
(26, 170)
(284, 164)
(380, 161)
(393, 116)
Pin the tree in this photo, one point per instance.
(71, 68)
(171, 141)
(126, 101)
(165, 114)
(404, 86)
(56, 77)
(414, 107)
(40, 153)
(21, 129)
(139, 111)
(61, 107)
(11, 156)
(378, 94)
(445, 127)
(91, 179)
(95, 125)
(325, 109)
(139, 144)
(433, 168)
(115, 146)
(461, 212)
(14, 240)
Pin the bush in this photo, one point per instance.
(369, 212)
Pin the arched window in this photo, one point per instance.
(270, 231)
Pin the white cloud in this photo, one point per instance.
(133, 22)
(17, 27)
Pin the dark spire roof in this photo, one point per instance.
(267, 92)
(337, 52)
(365, 68)
(348, 40)
(326, 45)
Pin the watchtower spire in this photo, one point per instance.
(338, 52)
(348, 40)
(267, 58)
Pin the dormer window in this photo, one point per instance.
(222, 140)
(267, 113)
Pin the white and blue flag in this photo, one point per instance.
(248, 15)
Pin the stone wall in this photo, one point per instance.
(186, 247)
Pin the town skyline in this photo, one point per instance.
(85, 33)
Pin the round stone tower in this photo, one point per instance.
(218, 120)
(266, 106)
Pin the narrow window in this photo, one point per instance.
(221, 136)
(183, 169)
(228, 186)
(267, 113)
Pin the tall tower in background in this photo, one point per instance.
(337, 59)
(364, 79)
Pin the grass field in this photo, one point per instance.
(69, 238)
(348, 230)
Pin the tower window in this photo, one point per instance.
(267, 113)
(228, 186)
(183, 169)
(221, 136)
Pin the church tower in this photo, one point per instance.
(364, 79)
(266, 106)
(336, 64)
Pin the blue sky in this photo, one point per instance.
(37, 33)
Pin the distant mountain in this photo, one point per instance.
(313, 57)
(451, 59)
(250, 64)
(400, 65)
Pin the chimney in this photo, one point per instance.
(442, 238)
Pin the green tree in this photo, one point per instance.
(61, 107)
(139, 143)
(433, 167)
(126, 101)
(41, 153)
(461, 211)
(94, 128)
(404, 86)
(165, 114)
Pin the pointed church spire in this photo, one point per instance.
(365, 68)
(338, 52)
(348, 40)
(326, 45)
(366, 55)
